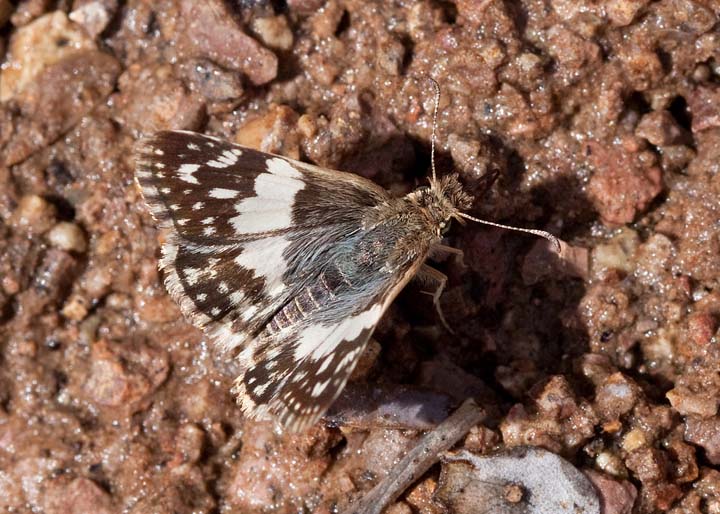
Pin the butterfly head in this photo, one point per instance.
(443, 201)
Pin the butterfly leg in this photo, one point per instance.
(429, 274)
(439, 251)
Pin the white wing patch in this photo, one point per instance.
(317, 341)
(272, 206)
(226, 159)
(227, 337)
(264, 257)
(282, 168)
(223, 194)
(185, 172)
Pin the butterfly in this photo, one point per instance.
(287, 265)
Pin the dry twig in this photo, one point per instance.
(420, 459)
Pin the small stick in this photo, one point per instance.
(420, 459)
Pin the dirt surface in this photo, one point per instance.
(597, 121)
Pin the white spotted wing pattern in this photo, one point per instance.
(287, 266)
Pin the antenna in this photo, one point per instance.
(547, 235)
(434, 127)
(542, 233)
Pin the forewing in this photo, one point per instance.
(237, 222)
(214, 192)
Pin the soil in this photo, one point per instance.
(597, 121)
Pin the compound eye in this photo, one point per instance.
(444, 227)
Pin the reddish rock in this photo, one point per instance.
(693, 400)
(81, 496)
(595, 367)
(478, 162)
(93, 15)
(184, 491)
(171, 106)
(708, 487)
(515, 113)
(569, 9)
(305, 6)
(207, 30)
(277, 472)
(659, 128)
(684, 464)
(706, 434)
(49, 286)
(704, 105)
(664, 495)
(574, 54)
(189, 441)
(621, 187)
(616, 496)
(220, 87)
(479, 13)
(273, 31)
(154, 305)
(42, 43)
(702, 327)
(116, 380)
(623, 12)
(616, 396)
(558, 421)
(641, 65)
(58, 97)
(648, 464)
(274, 131)
(33, 215)
(421, 497)
(29, 10)
(339, 137)
(399, 508)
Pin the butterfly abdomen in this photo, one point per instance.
(313, 297)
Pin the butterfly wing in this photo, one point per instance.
(232, 215)
(295, 375)
(247, 233)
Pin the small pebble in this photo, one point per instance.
(26, 348)
(399, 508)
(617, 253)
(67, 236)
(33, 214)
(274, 32)
(688, 402)
(189, 442)
(633, 440)
(10, 285)
(701, 73)
(93, 16)
(307, 126)
(75, 309)
(610, 463)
